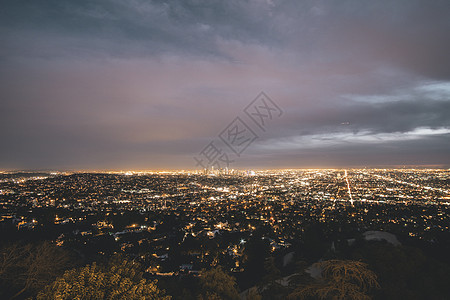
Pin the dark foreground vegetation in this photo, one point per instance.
(308, 270)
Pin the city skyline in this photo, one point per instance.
(147, 85)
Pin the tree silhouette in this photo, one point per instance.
(270, 287)
(253, 294)
(28, 268)
(216, 284)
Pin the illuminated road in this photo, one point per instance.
(348, 188)
(386, 178)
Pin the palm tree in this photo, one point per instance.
(340, 279)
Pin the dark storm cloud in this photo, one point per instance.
(147, 84)
(411, 33)
(122, 28)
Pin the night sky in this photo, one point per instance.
(144, 85)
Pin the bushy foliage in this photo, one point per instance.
(118, 280)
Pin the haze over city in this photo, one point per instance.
(146, 85)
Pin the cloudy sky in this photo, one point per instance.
(148, 84)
